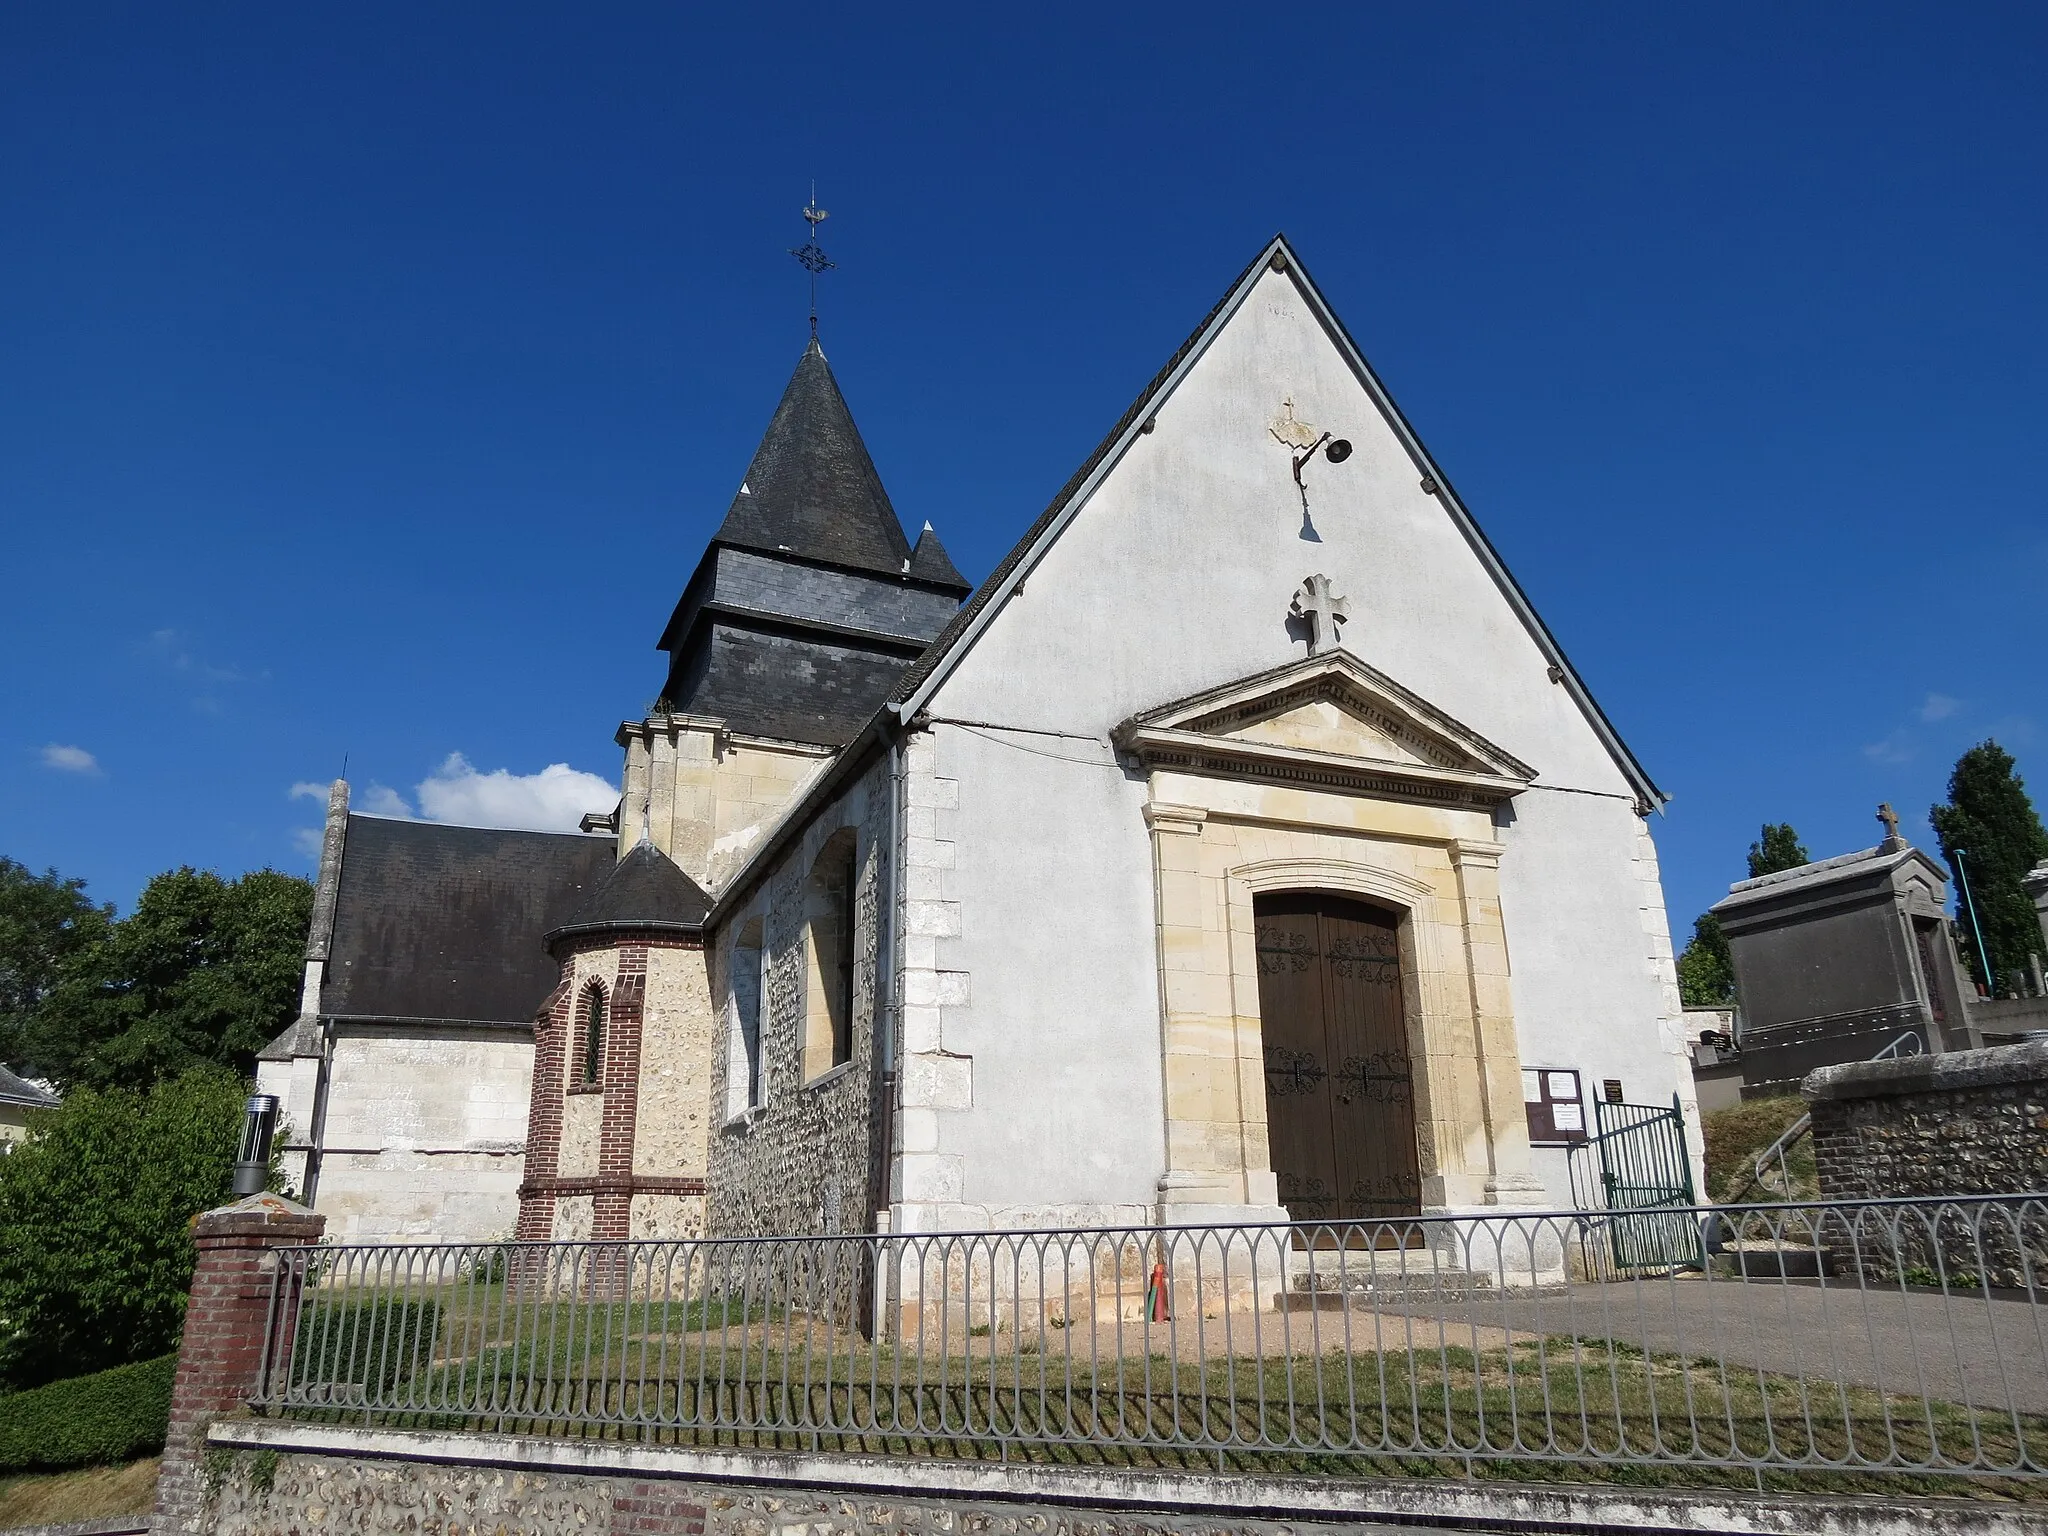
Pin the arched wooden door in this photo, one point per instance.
(1340, 1089)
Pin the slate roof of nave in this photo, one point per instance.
(440, 922)
(812, 490)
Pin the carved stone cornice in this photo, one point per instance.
(1441, 761)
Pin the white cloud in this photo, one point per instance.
(306, 789)
(70, 759)
(171, 649)
(382, 800)
(552, 800)
(1939, 706)
(1895, 748)
(308, 841)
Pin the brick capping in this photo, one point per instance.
(570, 944)
(611, 1184)
(222, 1350)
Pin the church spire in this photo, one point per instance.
(811, 490)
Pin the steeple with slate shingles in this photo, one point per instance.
(810, 601)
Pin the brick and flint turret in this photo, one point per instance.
(617, 1136)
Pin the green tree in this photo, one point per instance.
(1706, 974)
(1990, 819)
(45, 920)
(1776, 849)
(204, 970)
(95, 1222)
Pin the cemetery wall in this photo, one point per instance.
(1961, 1123)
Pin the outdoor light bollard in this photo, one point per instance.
(259, 1128)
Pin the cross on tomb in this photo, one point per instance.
(1890, 818)
(1322, 610)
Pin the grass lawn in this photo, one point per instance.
(1521, 1407)
(90, 1493)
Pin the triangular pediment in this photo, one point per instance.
(1328, 721)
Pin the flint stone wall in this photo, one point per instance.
(804, 1161)
(304, 1480)
(1961, 1123)
(1932, 1127)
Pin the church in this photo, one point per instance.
(1243, 849)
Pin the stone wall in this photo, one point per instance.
(301, 1481)
(426, 1132)
(1962, 1123)
(803, 1161)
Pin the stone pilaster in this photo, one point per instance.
(934, 1081)
(1510, 1179)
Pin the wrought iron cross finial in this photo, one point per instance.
(1322, 610)
(810, 255)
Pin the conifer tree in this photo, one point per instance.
(1990, 819)
(1776, 849)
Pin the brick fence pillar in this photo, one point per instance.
(222, 1349)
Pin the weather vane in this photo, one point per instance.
(811, 255)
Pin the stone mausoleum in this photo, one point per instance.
(1838, 960)
(1244, 847)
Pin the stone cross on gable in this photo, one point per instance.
(1322, 610)
(1890, 818)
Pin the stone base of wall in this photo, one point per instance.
(309, 1480)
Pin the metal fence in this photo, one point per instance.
(1873, 1345)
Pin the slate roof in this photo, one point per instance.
(812, 491)
(930, 561)
(439, 922)
(645, 890)
(20, 1093)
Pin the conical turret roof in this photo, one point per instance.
(812, 490)
(645, 890)
(930, 562)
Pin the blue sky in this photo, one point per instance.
(370, 379)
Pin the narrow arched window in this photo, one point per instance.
(592, 1031)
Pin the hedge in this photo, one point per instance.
(373, 1345)
(109, 1417)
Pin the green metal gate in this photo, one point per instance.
(1644, 1185)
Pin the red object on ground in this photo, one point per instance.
(1160, 1309)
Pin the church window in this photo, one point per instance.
(591, 1030)
(745, 1074)
(830, 956)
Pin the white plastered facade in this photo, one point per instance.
(1078, 1044)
